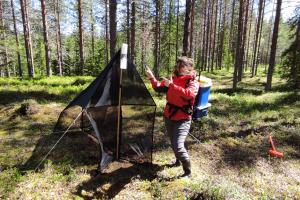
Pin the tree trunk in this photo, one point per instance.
(17, 39)
(169, 32)
(106, 33)
(273, 46)
(211, 16)
(258, 59)
(177, 29)
(132, 42)
(46, 40)
(247, 54)
(256, 36)
(143, 40)
(187, 29)
(204, 41)
(238, 46)
(128, 25)
(27, 38)
(157, 40)
(222, 36)
(219, 34)
(58, 39)
(214, 40)
(192, 29)
(207, 35)
(112, 26)
(199, 36)
(80, 30)
(230, 41)
(93, 34)
(269, 36)
(3, 37)
(244, 38)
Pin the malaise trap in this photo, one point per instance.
(117, 110)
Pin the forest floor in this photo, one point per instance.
(231, 162)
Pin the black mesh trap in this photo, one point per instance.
(122, 130)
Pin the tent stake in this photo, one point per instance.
(58, 141)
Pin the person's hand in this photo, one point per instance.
(168, 81)
(149, 73)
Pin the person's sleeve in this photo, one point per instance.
(187, 93)
(155, 84)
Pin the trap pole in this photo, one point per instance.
(123, 65)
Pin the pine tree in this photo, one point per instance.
(291, 56)
(273, 46)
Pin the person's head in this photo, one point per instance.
(185, 66)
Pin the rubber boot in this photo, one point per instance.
(177, 163)
(174, 163)
(186, 165)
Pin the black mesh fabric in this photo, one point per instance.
(96, 109)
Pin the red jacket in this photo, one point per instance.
(179, 94)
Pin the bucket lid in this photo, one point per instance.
(205, 82)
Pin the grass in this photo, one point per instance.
(231, 162)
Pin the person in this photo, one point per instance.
(181, 90)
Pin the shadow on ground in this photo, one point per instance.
(8, 97)
(108, 185)
(75, 148)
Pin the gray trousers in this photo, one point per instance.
(177, 132)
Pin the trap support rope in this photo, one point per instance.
(57, 141)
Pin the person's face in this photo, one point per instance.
(182, 67)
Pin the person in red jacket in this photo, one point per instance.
(181, 90)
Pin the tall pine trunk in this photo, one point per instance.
(214, 40)
(143, 39)
(80, 31)
(46, 40)
(3, 37)
(112, 26)
(222, 36)
(244, 39)
(269, 37)
(27, 38)
(273, 46)
(211, 16)
(157, 39)
(204, 41)
(192, 29)
(207, 34)
(93, 34)
(128, 24)
(257, 30)
(58, 39)
(20, 72)
(132, 42)
(230, 41)
(238, 45)
(169, 32)
(106, 33)
(258, 59)
(177, 28)
(248, 43)
(187, 29)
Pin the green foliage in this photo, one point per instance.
(39, 57)
(290, 64)
(228, 57)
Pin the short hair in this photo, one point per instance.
(186, 60)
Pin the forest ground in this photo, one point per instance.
(231, 162)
